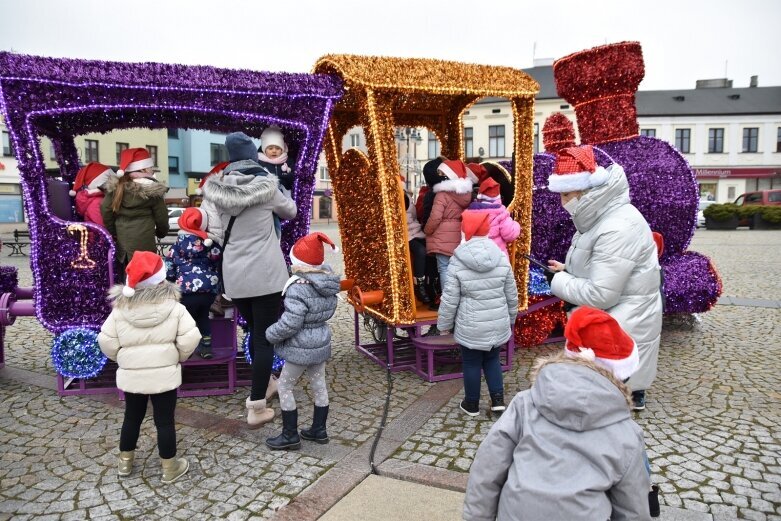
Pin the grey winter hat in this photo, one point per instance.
(240, 146)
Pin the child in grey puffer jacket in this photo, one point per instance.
(302, 337)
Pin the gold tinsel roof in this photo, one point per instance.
(427, 75)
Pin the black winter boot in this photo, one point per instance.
(420, 290)
(317, 433)
(289, 439)
(205, 348)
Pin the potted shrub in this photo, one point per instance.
(721, 217)
(746, 214)
(768, 218)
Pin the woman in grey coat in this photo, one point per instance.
(612, 263)
(302, 337)
(253, 267)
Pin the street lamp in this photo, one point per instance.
(405, 134)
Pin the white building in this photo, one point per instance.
(10, 190)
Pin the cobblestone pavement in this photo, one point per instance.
(712, 422)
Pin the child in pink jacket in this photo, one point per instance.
(504, 229)
(86, 190)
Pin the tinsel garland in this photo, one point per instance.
(62, 98)
(9, 279)
(76, 354)
(277, 362)
(383, 93)
(534, 328)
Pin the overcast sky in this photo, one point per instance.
(683, 40)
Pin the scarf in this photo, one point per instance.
(281, 160)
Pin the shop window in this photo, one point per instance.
(325, 207)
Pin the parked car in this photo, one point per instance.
(761, 198)
(173, 218)
(700, 217)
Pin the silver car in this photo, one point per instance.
(700, 217)
(173, 218)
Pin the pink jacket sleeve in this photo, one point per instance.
(509, 229)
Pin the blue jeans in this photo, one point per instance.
(442, 263)
(473, 361)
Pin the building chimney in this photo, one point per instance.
(543, 62)
(754, 81)
(716, 83)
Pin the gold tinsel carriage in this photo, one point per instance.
(380, 95)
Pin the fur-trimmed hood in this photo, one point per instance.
(156, 296)
(235, 192)
(147, 188)
(459, 186)
(577, 394)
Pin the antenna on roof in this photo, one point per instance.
(726, 65)
(534, 51)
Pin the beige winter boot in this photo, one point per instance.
(271, 390)
(174, 468)
(258, 414)
(126, 462)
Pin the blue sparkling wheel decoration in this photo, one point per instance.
(538, 284)
(246, 345)
(76, 353)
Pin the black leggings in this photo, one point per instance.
(198, 305)
(260, 312)
(163, 407)
(417, 250)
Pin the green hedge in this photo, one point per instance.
(720, 212)
(771, 214)
(748, 211)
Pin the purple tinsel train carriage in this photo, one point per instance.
(62, 98)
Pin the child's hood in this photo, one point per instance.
(141, 190)
(148, 307)
(479, 254)
(322, 279)
(574, 396)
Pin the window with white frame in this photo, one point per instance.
(91, 150)
(324, 176)
(648, 132)
(469, 144)
(536, 138)
(496, 141)
(715, 140)
(683, 138)
(8, 147)
(152, 149)
(120, 148)
(433, 146)
(355, 140)
(750, 139)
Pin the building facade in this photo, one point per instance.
(11, 207)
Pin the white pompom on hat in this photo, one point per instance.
(145, 269)
(93, 175)
(196, 221)
(576, 170)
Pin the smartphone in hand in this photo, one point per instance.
(539, 264)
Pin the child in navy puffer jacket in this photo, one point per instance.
(192, 264)
(302, 337)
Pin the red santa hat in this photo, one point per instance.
(134, 159)
(217, 169)
(594, 335)
(479, 172)
(455, 169)
(474, 224)
(194, 220)
(93, 175)
(489, 190)
(145, 269)
(576, 170)
(309, 251)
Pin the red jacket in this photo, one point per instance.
(443, 228)
(419, 201)
(88, 206)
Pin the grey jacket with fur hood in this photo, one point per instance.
(252, 262)
(301, 336)
(565, 449)
(148, 335)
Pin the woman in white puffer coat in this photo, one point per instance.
(612, 263)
